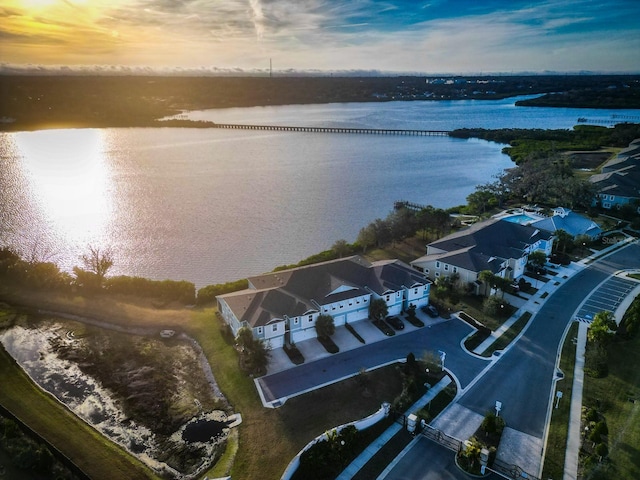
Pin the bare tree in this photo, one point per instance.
(98, 260)
(96, 263)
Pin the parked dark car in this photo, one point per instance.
(396, 323)
(384, 327)
(431, 311)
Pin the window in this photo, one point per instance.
(388, 297)
(311, 318)
(611, 197)
(415, 291)
(446, 267)
(437, 274)
(350, 303)
(260, 330)
(437, 264)
(455, 269)
(295, 321)
(274, 328)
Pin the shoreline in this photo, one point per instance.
(29, 103)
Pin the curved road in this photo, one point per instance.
(522, 378)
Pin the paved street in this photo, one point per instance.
(523, 377)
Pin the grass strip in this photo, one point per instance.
(559, 425)
(617, 397)
(507, 337)
(93, 453)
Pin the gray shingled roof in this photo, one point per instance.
(293, 292)
(485, 245)
(494, 238)
(624, 182)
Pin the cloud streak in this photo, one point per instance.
(390, 35)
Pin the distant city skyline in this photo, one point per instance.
(222, 36)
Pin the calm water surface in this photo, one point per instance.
(210, 206)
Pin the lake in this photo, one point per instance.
(212, 205)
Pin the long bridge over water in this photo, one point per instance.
(369, 131)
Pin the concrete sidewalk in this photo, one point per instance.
(575, 412)
(534, 302)
(355, 466)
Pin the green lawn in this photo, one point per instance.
(617, 397)
(93, 453)
(270, 438)
(558, 428)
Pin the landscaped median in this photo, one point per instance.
(501, 341)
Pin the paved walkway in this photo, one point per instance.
(575, 412)
(534, 302)
(355, 466)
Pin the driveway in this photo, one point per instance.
(446, 336)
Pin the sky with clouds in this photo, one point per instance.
(430, 36)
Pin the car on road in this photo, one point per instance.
(430, 310)
(395, 322)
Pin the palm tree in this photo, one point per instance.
(325, 326)
(378, 309)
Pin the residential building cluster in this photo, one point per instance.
(618, 183)
(282, 307)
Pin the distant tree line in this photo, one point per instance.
(527, 144)
(615, 95)
(544, 174)
(117, 101)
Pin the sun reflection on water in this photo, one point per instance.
(71, 180)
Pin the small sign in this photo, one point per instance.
(558, 397)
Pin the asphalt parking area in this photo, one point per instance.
(608, 296)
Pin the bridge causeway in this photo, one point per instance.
(369, 131)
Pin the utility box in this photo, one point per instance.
(412, 421)
(484, 457)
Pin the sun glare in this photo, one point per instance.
(71, 180)
(38, 4)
